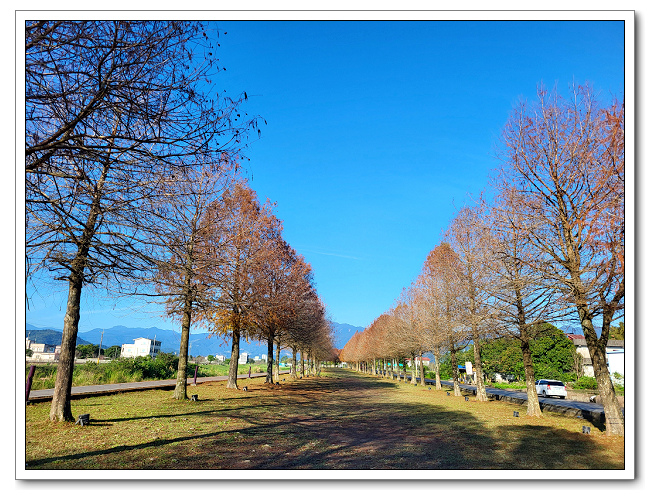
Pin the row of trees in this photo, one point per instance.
(93, 351)
(553, 356)
(132, 163)
(226, 266)
(548, 247)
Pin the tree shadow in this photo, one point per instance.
(340, 422)
(540, 447)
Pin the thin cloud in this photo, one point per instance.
(331, 254)
(104, 311)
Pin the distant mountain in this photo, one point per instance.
(118, 335)
(32, 327)
(577, 330)
(343, 332)
(201, 344)
(49, 336)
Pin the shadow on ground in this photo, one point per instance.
(348, 421)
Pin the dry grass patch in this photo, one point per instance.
(342, 420)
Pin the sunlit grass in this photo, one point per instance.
(115, 373)
(339, 421)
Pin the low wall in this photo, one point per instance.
(584, 397)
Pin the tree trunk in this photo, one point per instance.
(413, 369)
(269, 358)
(577, 364)
(436, 354)
(294, 361)
(60, 409)
(277, 361)
(533, 408)
(180, 391)
(614, 421)
(422, 381)
(302, 363)
(234, 359)
(454, 369)
(481, 395)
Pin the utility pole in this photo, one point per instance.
(99, 354)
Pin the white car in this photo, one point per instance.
(548, 388)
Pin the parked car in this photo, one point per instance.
(548, 388)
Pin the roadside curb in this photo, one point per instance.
(594, 415)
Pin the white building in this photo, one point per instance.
(220, 357)
(141, 347)
(615, 352)
(243, 358)
(264, 357)
(43, 352)
(418, 361)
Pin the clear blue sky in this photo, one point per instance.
(375, 131)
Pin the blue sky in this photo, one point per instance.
(376, 132)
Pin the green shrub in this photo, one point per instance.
(585, 383)
(44, 377)
(552, 373)
(119, 376)
(519, 386)
(85, 377)
(164, 366)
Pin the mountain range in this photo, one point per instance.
(343, 332)
(201, 344)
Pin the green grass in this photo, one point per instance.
(342, 420)
(121, 371)
(515, 386)
(222, 369)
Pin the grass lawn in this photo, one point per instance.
(108, 373)
(342, 420)
(219, 370)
